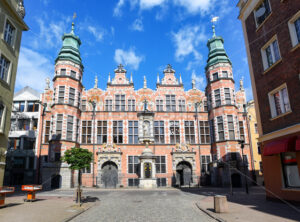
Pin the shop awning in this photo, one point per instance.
(298, 144)
(280, 146)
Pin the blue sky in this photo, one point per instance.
(145, 35)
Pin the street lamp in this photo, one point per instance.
(44, 105)
(197, 104)
(242, 142)
(93, 103)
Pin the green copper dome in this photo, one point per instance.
(70, 48)
(217, 53)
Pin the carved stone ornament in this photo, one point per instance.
(120, 69)
(183, 148)
(110, 148)
(21, 9)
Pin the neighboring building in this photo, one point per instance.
(20, 157)
(257, 162)
(11, 27)
(124, 117)
(272, 36)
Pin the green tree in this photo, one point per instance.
(78, 159)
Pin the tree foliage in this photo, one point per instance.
(78, 158)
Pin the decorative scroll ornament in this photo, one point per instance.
(110, 148)
(183, 148)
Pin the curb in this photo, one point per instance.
(77, 214)
(210, 214)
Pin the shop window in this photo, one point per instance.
(290, 170)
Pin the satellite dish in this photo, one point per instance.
(260, 12)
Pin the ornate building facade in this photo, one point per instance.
(180, 137)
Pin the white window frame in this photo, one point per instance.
(291, 24)
(14, 35)
(272, 101)
(254, 13)
(8, 78)
(264, 54)
(2, 123)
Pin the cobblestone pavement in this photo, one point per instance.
(146, 206)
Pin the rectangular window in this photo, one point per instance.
(205, 160)
(270, 54)
(258, 148)
(230, 127)
(47, 132)
(63, 72)
(220, 128)
(86, 132)
(72, 96)
(290, 170)
(70, 128)
(255, 128)
(133, 132)
(279, 102)
(160, 164)
(1, 116)
(119, 102)
(159, 105)
(181, 105)
(297, 27)
(61, 94)
(32, 106)
(170, 103)
(205, 106)
(131, 105)
(215, 76)
(217, 97)
(83, 105)
(19, 106)
(227, 96)
(242, 132)
(189, 130)
(77, 130)
(59, 123)
(108, 105)
(133, 164)
(262, 12)
(204, 132)
(73, 74)
(9, 33)
(117, 131)
(174, 132)
(161, 182)
(224, 74)
(4, 68)
(101, 132)
(133, 182)
(159, 132)
(212, 130)
(79, 99)
(86, 170)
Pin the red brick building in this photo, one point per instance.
(272, 36)
(187, 131)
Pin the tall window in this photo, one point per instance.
(32, 106)
(59, 123)
(227, 96)
(133, 164)
(61, 94)
(205, 106)
(4, 67)
(279, 102)
(160, 164)
(108, 105)
(63, 72)
(83, 105)
(9, 33)
(47, 132)
(262, 12)
(189, 131)
(242, 132)
(294, 27)
(230, 127)
(204, 132)
(212, 130)
(86, 132)
(215, 76)
(217, 97)
(117, 131)
(205, 160)
(224, 74)
(170, 103)
(159, 132)
(77, 130)
(181, 105)
(133, 132)
(119, 102)
(159, 105)
(297, 27)
(174, 132)
(1, 116)
(131, 105)
(270, 54)
(220, 128)
(70, 128)
(79, 99)
(101, 132)
(73, 74)
(72, 96)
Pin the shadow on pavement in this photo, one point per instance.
(10, 205)
(89, 199)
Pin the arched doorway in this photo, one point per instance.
(55, 181)
(109, 174)
(183, 173)
(236, 180)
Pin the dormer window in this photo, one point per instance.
(262, 12)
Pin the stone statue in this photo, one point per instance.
(242, 83)
(146, 128)
(193, 84)
(146, 105)
(96, 82)
(47, 84)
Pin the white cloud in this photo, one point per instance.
(128, 58)
(137, 25)
(249, 93)
(196, 6)
(186, 41)
(98, 34)
(148, 4)
(200, 82)
(33, 69)
(117, 9)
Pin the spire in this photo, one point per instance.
(193, 83)
(242, 84)
(214, 30)
(131, 79)
(180, 79)
(145, 83)
(157, 81)
(73, 27)
(108, 81)
(96, 82)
